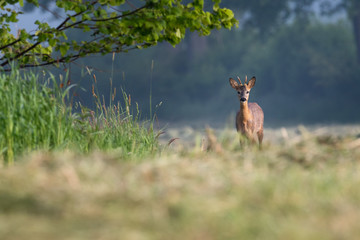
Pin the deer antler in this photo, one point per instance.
(239, 80)
(245, 79)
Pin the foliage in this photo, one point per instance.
(35, 114)
(269, 16)
(107, 26)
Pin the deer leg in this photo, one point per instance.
(241, 140)
(260, 135)
(246, 139)
(250, 137)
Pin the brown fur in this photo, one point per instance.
(250, 118)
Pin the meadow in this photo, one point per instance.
(104, 174)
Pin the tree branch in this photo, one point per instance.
(73, 58)
(37, 43)
(95, 20)
(20, 54)
(50, 11)
(10, 44)
(120, 16)
(75, 15)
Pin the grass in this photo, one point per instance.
(306, 189)
(35, 114)
(32, 115)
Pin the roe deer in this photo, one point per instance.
(250, 118)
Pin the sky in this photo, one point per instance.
(26, 20)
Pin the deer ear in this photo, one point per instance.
(233, 83)
(251, 82)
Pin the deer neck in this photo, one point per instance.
(245, 112)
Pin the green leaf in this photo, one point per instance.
(178, 33)
(228, 13)
(52, 42)
(85, 17)
(63, 49)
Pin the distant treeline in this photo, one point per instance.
(306, 73)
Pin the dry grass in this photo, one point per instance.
(302, 189)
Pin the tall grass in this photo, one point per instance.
(117, 127)
(34, 115)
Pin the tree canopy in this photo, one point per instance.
(108, 26)
(268, 15)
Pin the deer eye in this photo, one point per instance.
(247, 91)
(238, 92)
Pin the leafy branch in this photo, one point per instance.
(108, 26)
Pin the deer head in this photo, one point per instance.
(243, 90)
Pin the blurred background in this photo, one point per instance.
(305, 55)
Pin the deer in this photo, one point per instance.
(250, 117)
